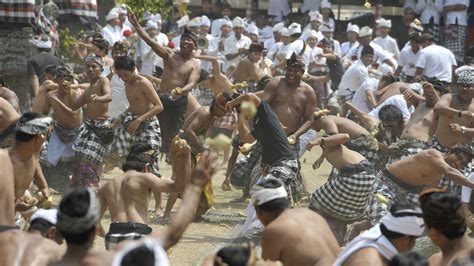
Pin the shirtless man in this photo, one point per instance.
(180, 75)
(126, 196)
(67, 123)
(91, 144)
(456, 107)
(197, 125)
(139, 123)
(396, 234)
(31, 131)
(251, 69)
(445, 226)
(216, 81)
(39, 246)
(8, 118)
(406, 178)
(422, 123)
(48, 85)
(343, 199)
(279, 242)
(78, 224)
(360, 139)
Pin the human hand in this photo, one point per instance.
(407, 93)
(132, 18)
(133, 126)
(93, 97)
(45, 192)
(204, 169)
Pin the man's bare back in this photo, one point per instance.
(40, 100)
(8, 114)
(110, 196)
(462, 251)
(336, 124)
(201, 118)
(22, 248)
(7, 195)
(65, 118)
(290, 105)
(420, 124)
(298, 247)
(248, 70)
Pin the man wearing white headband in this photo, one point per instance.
(316, 20)
(269, 197)
(41, 245)
(396, 233)
(112, 31)
(352, 36)
(38, 63)
(210, 45)
(384, 40)
(268, 44)
(235, 47)
(148, 58)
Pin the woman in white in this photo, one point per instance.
(327, 14)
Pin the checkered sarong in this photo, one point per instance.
(228, 121)
(148, 133)
(366, 145)
(18, 11)
(404, 148)
(241, 175)
(432, 29)
(287, 172)
(444, 182)
(390, 187)
(125, 231)
(455, 36)
(345, 197)
(88, 145)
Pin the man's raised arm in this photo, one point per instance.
(161, 51)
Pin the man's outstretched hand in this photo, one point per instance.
(132, 18)
(204, 170)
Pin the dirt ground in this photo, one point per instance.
(222, 223)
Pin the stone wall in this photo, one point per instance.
(15, 50)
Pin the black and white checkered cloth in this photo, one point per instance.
(346, 196)
(455, 37)
(18, 11)
(241, 175)
(287, 172)
(433, 29)
(404, 148)
(148, 133)
(393, 190)
(88, 145)
(86, 8)
(119, 232)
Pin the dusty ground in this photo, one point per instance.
(222, 223)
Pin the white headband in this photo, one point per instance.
(263, 195)
(161, 258)
(408, 222)
(79, 225)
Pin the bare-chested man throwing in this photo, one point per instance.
(97, 133)
(139, 123)
(180, 75)
(67, 122)
(126, 196)
(406, 178)
(251, 69)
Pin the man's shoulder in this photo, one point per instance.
(365, 256)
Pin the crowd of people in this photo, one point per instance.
(396, 126)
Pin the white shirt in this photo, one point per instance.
(354, 76)
(459, 16)
(436, 61)
(310, 5)
(330, 23)
(397, 100)
(306, 31)
(379, 52)
(279, 52)
(407, 60)
(268, 44)
(119, 102)
(111, 34)
(211, 48)
(429, 10)
(359, 99)
(122, 30)
(388, 44)
(265, 33)
(149, 58)
(346, 46)
(296, 47)
(216, 26)
(232, 46)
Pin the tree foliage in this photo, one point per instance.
(154, 6)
